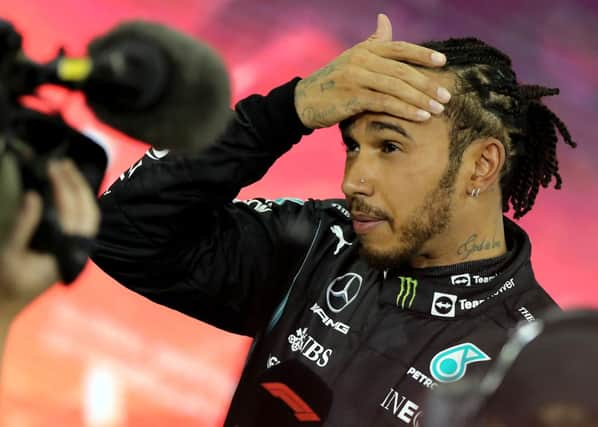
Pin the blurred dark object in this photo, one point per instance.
(147, 80)
(30, 140)
(159, 86)
(144, 79)
(544, 376)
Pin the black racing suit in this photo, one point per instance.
(289, 274)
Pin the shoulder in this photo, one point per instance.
(532, 304)
(326, 209)
(261, 205)
(335, 209)
(527, 306)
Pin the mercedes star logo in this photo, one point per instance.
(342, 291)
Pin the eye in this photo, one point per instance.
(390, 146)
(351, 146)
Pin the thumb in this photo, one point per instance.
(28, 221)
(383, 29)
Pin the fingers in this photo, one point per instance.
(421, 105)
(390, 76)
(382, 103)
(381, 43)
(408, 52)
(27, 223)
(25, 273)
(76, 204)
(373, 75)
(400, 80)
(383, 29)
(88, 207)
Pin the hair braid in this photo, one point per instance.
(489, 102)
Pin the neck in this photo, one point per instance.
(470, 239)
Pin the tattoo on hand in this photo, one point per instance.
(352, 106)
(300, 93)
(317, 116)
(320, 73)
(327, 85)
(471, 245)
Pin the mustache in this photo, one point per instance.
(358, 204)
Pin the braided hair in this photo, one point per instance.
(489, 102)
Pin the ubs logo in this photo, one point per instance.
(342, 291)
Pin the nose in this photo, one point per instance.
(358, 179)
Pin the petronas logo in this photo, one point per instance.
(406, 297)
(450, 365)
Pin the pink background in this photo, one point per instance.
(96, 354)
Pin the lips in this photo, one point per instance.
(363, 223)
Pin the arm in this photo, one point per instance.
(25, 274)
(170, 230)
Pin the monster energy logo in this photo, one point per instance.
(408, 291)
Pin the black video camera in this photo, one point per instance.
(32, 139)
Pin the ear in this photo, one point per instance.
(486, 158)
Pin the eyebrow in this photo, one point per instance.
(395, 127)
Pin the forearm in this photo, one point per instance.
(167, 217)
(158, 198)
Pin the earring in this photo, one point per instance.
(475, 193)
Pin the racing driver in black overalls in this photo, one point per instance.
(359, 306)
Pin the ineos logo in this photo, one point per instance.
(342, 291)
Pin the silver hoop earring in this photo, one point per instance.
(475, 193)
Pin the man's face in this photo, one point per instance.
(399, 185)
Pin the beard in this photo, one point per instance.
(428, 220)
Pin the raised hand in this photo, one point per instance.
(25, 273)
(373, 75)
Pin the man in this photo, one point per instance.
(25, 273)
(357, 307)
